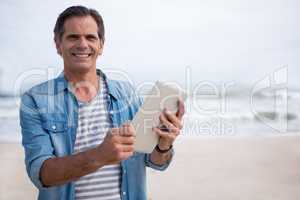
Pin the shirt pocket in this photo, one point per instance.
(55, 126)
(60, 139)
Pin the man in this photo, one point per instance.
(76, 128)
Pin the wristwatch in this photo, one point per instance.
(163, 151)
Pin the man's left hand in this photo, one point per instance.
(172, 124)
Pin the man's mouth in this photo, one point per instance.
(82, 55)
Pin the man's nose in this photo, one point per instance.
(82, 43)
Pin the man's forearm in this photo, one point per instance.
(116, 146)
(60, 170)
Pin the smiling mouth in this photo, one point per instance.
(82, 55)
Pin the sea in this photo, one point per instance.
(239, 113)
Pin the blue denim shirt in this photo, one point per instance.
(49, 117)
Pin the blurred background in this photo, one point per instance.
(218, 51)
(238, 60)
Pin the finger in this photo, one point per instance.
(127, 148)
(114, 131)
(173, 119)
(131, 128)
(122, 130)
(181, 110)
(127, 140)
(125, 130)
(162, 133)
(170, 127)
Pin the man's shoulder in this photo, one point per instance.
(121, 88)
(49, 87)
(38, 95)
(120, 84)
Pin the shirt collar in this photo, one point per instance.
(62, 84)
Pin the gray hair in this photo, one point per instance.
(78, 11)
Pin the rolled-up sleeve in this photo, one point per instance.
(163, 167)
(35, 139)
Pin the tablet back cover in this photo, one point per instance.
(162, 95)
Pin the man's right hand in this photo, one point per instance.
(118, 144)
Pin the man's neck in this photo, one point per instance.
(84, 85)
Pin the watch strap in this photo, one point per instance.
(161, 150)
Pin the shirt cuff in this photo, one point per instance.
(149, 163)
(35, 171)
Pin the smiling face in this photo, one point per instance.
(80, 44)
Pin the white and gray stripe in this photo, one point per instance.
(93, 124)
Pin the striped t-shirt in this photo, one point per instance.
(93, 125)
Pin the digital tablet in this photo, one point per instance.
(162, 95)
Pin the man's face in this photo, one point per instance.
(80, 44)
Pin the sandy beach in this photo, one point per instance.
(228, 168)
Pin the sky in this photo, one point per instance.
(174, 40)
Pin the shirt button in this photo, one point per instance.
(54, 127)
(124, 193)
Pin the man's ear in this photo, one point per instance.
(101, 47)
(57, 45)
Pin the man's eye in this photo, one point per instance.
(73, 37)
(92, 38)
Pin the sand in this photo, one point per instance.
(232, 168)
(14, 181)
